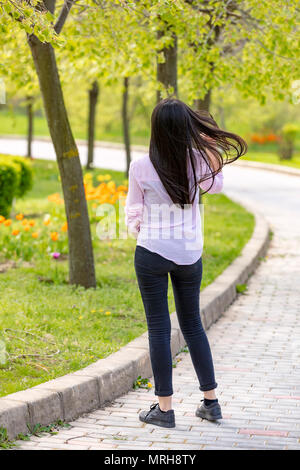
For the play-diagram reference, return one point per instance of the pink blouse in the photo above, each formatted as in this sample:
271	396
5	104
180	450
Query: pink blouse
158	224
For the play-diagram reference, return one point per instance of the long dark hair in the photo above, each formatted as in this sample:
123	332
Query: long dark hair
176	132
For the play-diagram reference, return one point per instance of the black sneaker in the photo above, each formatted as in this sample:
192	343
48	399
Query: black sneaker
211	412
165	419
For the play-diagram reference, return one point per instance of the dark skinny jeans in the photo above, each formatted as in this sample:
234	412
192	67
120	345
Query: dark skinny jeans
152	275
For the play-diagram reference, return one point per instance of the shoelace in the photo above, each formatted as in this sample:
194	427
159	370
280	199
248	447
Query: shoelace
152	407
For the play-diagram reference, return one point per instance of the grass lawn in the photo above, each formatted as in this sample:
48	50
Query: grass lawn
272	157
51	328
16	124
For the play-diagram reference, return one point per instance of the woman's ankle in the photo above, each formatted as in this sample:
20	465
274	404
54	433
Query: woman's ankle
165	403
210	395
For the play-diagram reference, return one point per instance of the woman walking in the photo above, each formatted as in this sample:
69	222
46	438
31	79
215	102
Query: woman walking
187	151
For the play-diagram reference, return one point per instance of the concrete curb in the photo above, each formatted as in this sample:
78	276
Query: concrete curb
70	396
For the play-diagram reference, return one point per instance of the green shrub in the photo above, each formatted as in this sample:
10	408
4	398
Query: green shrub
26	179
15	180
289	134
8	185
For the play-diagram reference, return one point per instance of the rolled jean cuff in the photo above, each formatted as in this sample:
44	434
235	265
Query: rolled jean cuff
206	388
163	394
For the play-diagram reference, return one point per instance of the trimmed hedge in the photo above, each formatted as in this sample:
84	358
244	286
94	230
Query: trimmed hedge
15	180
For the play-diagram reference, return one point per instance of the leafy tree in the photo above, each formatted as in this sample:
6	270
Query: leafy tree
37	21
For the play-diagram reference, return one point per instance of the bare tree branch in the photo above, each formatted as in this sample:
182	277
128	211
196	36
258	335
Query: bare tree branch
50	5
63	15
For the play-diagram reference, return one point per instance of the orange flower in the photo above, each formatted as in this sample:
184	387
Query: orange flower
55	198
25	222
65	227
47	221
26	228
54	236
15	232
31	223
19	216
34	234
2	219
122	187
7	222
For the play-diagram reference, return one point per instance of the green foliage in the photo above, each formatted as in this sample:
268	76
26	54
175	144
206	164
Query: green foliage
9	182
25	176
5	442
37	430
290	131
289	134
15	181
241	288
141	383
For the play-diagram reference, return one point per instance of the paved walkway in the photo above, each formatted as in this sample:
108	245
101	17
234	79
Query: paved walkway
256	348
104	157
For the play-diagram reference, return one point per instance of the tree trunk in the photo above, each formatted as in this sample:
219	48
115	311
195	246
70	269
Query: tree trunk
125	120
81	262
30	125
93	98
167	72
203	104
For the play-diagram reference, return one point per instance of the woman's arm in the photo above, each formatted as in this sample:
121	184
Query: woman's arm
134	202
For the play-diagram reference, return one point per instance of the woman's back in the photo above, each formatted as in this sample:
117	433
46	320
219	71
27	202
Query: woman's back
160	225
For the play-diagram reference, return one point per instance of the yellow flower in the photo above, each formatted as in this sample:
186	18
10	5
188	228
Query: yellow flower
80	318
100	309
15	232
35	235
19	216
111	186
25	222
93	311
149	385
108	312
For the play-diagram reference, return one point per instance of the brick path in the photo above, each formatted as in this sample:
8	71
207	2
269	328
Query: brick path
256	348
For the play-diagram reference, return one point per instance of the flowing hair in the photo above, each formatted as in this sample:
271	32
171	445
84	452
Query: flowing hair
179	134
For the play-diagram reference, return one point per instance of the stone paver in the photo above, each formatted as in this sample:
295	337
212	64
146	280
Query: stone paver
256	349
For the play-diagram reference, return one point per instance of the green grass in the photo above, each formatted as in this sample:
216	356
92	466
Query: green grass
273	158
66	328
16	125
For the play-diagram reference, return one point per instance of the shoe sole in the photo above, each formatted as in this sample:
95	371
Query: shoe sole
208	418
159	423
